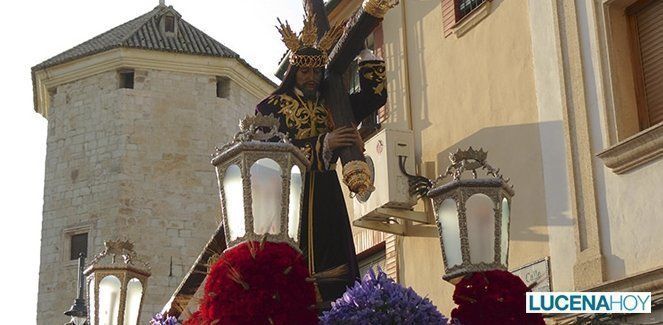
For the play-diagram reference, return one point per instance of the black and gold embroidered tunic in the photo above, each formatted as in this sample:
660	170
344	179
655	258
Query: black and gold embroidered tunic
326	237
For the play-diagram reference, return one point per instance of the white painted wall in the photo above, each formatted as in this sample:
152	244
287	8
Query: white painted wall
629	204
548	83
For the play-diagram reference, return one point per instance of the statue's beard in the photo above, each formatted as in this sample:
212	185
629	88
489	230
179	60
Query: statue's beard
309	94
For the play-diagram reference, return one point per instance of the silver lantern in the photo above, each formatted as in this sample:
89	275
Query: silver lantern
261	181
472	216
116	281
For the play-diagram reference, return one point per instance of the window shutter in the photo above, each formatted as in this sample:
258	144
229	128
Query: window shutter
650	34
448	16
383	114
391	252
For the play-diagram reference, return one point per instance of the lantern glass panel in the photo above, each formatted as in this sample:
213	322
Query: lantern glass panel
296	184
234	201
132	305
480	216
109	300
91	298
448	218
266	188
506	212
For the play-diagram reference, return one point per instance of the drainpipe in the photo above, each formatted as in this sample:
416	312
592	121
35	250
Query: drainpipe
406	67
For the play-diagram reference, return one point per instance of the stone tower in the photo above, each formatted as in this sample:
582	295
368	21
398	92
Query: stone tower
133	115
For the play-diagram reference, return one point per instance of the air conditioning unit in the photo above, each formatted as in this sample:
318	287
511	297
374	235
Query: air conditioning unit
391	185
390	207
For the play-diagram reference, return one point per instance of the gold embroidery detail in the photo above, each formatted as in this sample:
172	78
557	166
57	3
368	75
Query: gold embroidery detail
379	8
359	178
378	74
308	118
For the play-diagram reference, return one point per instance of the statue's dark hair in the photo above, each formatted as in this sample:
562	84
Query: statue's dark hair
289	79
288	82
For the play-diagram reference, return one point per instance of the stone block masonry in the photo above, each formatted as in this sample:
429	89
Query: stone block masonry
134	164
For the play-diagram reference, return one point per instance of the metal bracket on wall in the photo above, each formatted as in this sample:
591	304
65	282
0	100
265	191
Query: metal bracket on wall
404	222
399	222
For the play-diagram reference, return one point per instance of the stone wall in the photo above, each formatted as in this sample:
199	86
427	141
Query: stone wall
133	164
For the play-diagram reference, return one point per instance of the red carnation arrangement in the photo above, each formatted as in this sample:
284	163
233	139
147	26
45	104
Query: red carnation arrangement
493	297
196	319
258	283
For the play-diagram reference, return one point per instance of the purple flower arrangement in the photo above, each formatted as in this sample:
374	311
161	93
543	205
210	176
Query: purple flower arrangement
377	299
159	319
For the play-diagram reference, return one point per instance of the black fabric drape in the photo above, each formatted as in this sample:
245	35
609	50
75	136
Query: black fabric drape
324	223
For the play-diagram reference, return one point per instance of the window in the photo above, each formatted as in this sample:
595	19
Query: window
126	79
459	16
169	24
633	39
646	33
464	7
78	245
373	257
74	241
222	87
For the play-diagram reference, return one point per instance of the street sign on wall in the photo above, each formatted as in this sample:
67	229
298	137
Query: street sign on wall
538	273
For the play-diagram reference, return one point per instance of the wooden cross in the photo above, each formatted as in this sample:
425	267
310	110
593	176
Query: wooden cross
359	27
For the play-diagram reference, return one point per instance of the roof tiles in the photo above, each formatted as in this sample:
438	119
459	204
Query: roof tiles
144	32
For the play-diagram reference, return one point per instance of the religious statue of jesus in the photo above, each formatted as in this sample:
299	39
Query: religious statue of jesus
303	109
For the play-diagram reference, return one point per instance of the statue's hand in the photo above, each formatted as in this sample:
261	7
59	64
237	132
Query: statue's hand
344	137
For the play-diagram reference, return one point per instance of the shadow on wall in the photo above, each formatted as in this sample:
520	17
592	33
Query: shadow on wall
399	55
516	151
416	52
553	159
559	206
417	34
540	211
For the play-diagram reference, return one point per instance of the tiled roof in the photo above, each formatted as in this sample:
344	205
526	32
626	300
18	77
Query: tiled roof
144	32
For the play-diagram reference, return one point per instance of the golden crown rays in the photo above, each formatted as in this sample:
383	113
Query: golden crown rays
309	31
288	36
308	38
331	36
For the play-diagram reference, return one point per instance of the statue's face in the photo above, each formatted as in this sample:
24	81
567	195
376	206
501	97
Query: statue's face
308	80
